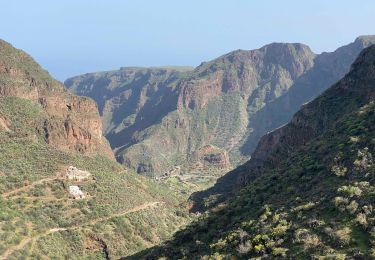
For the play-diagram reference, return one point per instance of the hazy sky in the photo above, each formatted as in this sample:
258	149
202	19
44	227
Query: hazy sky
70	37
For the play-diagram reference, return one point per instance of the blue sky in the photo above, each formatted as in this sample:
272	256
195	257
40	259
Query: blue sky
72	37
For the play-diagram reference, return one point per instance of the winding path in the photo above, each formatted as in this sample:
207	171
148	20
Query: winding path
24	242
27	187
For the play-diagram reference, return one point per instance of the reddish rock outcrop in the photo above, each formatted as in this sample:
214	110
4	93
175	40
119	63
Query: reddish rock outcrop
73	122
212	156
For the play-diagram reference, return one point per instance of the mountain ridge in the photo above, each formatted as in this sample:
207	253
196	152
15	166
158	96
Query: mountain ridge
262	88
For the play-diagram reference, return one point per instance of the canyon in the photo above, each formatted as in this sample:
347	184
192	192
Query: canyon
158	118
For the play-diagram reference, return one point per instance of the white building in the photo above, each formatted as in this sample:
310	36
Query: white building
76	192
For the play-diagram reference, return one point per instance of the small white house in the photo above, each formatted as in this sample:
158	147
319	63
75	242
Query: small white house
76	192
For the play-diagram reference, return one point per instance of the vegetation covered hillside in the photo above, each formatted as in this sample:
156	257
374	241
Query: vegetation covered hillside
157	119
115	211
309	190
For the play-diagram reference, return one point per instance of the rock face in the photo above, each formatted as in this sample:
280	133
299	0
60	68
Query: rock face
73	123
316	117
133	103
157	118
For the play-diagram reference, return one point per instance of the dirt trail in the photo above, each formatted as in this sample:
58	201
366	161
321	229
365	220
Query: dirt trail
135	209
27	187
24	242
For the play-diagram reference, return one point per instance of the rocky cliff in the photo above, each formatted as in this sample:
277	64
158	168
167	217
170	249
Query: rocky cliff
328	68
317	116
156	119
73	123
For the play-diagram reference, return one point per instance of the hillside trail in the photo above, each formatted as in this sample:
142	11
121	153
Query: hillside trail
29	186
24	242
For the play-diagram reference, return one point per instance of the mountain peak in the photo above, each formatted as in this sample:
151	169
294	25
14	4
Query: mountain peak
364	41
369	39
283	46
275	48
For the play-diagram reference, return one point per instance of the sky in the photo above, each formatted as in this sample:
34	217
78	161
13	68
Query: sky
71	37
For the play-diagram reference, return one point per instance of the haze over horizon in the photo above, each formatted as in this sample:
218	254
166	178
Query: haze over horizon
112	34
